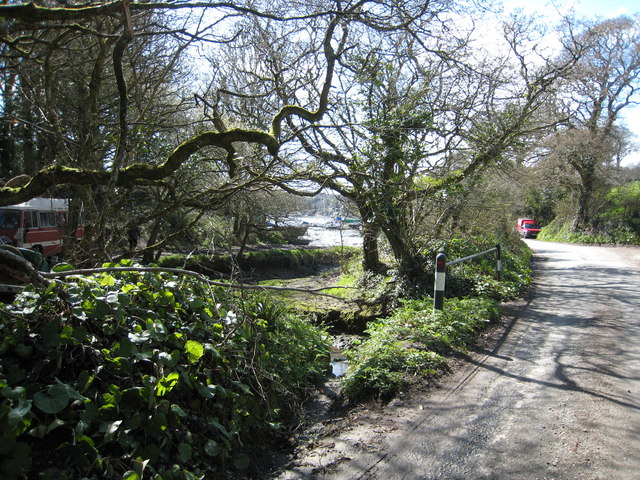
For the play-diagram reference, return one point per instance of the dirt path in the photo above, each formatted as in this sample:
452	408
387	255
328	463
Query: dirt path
556	397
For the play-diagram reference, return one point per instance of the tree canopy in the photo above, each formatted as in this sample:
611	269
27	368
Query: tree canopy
182	105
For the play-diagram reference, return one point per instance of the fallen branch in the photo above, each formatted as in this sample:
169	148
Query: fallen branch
18	268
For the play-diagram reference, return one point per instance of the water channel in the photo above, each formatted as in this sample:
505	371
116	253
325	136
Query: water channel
325	231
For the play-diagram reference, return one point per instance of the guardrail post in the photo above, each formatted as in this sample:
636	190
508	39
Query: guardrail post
438	286
498	262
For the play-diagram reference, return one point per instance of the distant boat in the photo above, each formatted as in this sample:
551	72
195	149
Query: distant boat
342	222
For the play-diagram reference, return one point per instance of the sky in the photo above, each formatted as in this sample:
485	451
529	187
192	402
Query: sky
590	9
587	8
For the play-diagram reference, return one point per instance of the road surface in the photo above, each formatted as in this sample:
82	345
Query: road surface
557	398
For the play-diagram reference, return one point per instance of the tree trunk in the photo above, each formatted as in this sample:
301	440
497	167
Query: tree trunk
582	217
370	232
147	256
411	265
585	192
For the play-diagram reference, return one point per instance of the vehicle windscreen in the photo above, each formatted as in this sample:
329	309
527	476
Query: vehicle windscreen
9	218
530	225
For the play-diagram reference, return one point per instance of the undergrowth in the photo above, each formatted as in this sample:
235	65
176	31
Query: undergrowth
125	375
412	342
151	375
603	233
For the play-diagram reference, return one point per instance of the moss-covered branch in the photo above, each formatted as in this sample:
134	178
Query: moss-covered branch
137	173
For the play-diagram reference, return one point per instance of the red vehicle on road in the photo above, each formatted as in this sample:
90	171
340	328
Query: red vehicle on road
38	224
527	227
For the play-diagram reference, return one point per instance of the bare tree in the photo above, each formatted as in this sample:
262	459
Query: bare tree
604	83
421	115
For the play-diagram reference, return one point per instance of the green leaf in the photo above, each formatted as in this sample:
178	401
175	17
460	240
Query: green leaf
165	358
184	452
196	304
242	462
51	333
72	392
212	449
194	350
130	475
141	337
107	281
112	297
19	462
207	391
178	411
139	466
166	384
84	380
111	429
63	267
13	394
54	400
220	428
18	413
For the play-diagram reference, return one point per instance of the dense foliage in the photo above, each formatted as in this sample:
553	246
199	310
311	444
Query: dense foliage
477	277
618	222
414	340
113	374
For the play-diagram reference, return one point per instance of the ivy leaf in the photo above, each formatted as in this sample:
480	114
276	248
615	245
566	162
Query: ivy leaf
111	429
184	452
242	462
20	462
220	428
194	350
72	392
207	391
141	337
166	384
62	267
130	475
178	411
196	304
212	449
165	358
112	297
51	333
18	413
139	466
13	394
54	400
107	281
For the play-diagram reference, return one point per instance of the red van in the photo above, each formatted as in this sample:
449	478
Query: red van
38	224
527	227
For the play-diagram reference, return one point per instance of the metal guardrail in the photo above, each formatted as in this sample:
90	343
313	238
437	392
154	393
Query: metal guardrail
441	272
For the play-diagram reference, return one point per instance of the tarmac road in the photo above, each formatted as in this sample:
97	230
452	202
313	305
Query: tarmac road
557	398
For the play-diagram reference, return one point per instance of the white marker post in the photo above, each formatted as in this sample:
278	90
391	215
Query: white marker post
438	287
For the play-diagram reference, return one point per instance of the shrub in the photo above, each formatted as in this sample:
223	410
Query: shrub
123	372
411	342
609	232
477	277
